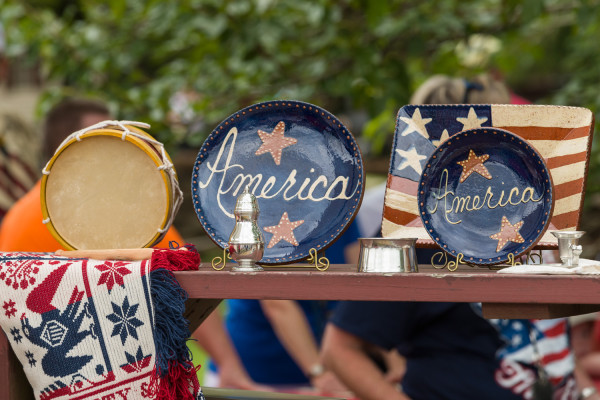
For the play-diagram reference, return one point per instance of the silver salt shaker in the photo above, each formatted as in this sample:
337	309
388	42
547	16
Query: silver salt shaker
246	243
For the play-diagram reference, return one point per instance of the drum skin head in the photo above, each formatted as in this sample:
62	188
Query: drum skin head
104	192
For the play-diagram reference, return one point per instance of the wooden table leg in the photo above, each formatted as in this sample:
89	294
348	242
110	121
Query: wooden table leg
13	382
4	367
196	310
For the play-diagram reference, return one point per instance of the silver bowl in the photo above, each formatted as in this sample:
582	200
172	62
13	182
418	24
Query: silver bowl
387	255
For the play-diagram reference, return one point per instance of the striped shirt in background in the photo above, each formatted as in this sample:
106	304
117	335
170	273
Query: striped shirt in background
19	157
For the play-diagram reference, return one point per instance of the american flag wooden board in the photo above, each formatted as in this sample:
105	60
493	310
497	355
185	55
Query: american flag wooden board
562	136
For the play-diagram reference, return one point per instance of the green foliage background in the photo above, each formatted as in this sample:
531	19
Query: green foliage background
352	57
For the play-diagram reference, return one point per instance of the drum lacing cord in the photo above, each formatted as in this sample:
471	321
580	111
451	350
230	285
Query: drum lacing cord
98	125
166	165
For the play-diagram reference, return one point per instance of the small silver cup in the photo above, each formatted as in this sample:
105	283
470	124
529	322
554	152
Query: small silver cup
568	248
387	255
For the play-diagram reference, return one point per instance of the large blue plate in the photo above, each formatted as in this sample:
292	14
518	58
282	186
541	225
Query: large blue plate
301	163
485	193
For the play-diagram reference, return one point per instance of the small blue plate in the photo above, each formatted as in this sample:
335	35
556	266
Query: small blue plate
301	163
485	193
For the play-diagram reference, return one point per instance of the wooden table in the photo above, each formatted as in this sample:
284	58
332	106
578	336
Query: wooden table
502	296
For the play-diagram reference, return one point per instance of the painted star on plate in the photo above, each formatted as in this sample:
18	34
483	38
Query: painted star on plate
445	136
472	121
473	163
274	142
411	159
508	233
416	124
283	231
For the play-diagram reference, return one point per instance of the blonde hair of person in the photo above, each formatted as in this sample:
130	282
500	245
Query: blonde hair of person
442	89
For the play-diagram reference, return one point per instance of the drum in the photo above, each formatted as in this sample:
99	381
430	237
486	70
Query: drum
110	186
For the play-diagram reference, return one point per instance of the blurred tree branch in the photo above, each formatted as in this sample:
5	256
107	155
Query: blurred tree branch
349	56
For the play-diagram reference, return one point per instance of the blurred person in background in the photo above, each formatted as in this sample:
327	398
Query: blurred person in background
274	344
451	351
585	339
